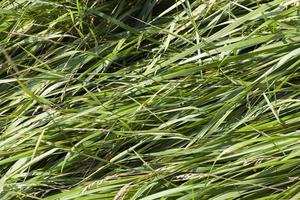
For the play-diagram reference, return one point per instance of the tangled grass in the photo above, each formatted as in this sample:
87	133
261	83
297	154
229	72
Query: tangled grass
145	99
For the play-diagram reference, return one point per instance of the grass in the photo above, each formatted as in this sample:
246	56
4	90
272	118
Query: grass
143	99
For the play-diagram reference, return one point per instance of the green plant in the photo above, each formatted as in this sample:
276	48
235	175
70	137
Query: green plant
149	100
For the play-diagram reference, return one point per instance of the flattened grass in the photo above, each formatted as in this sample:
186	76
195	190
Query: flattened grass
149	100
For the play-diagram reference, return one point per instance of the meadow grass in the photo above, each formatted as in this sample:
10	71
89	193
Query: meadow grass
145	99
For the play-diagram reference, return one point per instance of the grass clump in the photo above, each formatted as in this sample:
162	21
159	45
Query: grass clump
148	100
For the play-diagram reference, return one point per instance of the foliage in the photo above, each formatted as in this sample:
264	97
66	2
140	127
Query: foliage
144	99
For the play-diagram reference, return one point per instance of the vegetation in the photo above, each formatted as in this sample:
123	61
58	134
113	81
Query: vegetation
145	99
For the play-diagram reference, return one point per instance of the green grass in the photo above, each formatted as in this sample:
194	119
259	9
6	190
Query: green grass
144	99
